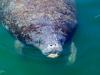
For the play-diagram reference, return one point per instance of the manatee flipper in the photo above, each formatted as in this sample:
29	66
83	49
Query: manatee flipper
73	53
19	47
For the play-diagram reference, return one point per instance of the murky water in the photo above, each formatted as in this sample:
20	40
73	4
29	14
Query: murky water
87	40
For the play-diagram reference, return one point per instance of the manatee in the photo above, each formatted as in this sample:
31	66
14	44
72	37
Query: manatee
45	24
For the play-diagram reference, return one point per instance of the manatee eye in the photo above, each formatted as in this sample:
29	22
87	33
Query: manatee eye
61	40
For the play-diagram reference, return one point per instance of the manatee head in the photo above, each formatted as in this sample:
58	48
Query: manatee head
49	42
52	46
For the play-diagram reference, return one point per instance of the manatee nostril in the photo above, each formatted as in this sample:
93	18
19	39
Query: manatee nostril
53	45
50	45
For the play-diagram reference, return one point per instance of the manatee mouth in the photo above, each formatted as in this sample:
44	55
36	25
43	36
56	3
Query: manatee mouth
53	55
53	50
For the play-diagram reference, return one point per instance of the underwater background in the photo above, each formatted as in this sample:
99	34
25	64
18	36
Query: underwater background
86	38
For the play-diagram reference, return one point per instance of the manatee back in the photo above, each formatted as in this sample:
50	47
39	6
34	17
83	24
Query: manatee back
59	14
3	5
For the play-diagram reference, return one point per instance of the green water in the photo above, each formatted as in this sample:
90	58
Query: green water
87	40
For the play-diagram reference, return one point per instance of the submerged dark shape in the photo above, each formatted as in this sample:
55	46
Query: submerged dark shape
45	24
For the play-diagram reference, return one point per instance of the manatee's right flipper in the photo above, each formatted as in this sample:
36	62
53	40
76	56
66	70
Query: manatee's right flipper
19	47
73	53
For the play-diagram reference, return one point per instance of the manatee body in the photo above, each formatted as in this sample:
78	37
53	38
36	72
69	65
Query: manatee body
45	24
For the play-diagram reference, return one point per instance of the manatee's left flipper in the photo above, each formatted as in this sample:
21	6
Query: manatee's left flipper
73	53
19	47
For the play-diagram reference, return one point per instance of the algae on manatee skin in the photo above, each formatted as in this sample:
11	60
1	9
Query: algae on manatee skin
3	4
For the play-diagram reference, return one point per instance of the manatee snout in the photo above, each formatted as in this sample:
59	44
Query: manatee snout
53	50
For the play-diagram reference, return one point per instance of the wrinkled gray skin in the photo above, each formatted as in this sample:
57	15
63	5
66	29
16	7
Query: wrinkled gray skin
46	24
